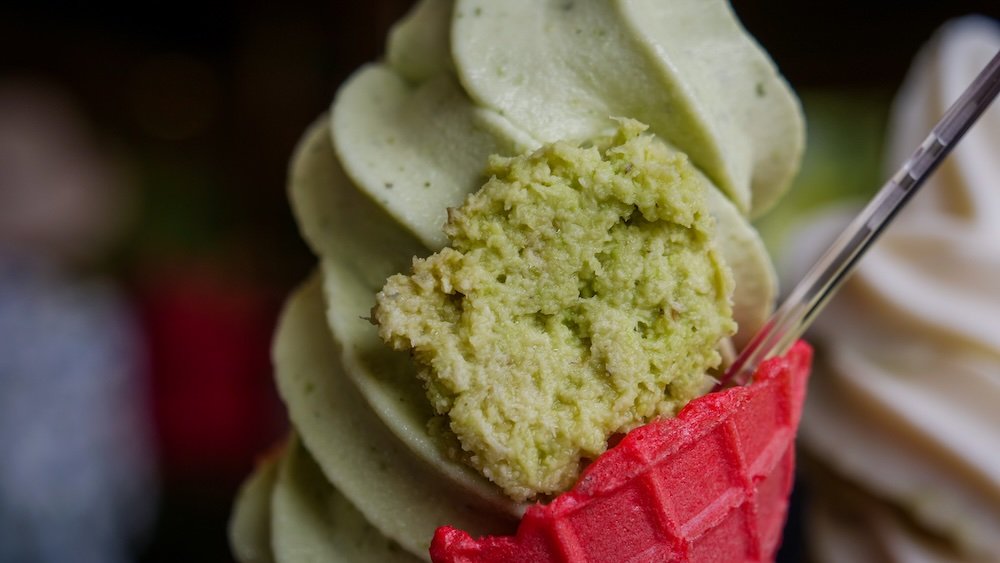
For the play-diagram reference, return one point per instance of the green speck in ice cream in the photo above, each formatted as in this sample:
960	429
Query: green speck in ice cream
581	296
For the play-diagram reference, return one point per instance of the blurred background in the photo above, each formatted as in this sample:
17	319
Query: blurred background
146	244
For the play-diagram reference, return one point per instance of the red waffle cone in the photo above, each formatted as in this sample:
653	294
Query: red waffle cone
710	484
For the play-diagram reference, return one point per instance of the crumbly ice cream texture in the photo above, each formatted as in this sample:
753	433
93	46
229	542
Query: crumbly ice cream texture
581	295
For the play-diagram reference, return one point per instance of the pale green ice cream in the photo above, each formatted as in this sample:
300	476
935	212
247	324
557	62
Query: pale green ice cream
581	295
408	139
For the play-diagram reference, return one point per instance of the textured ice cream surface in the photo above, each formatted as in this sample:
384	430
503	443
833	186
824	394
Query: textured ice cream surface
408	138
582	295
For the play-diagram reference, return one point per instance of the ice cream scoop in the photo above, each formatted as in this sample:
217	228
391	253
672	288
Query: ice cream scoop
409	138
582	294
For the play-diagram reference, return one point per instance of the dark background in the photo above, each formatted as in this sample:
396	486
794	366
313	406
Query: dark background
205	102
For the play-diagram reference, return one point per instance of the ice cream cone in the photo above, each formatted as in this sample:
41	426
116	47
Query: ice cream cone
711	484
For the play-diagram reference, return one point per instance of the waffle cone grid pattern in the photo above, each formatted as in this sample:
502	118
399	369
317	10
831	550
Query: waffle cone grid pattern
710	484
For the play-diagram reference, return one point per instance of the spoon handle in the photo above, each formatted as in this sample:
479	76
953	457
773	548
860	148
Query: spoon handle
825	277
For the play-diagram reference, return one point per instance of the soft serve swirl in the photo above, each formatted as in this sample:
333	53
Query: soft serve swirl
408	138
904	401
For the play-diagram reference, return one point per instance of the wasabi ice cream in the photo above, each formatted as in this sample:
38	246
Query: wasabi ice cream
608	294
582	294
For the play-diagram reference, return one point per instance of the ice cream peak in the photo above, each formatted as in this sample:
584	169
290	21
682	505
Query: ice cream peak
582	295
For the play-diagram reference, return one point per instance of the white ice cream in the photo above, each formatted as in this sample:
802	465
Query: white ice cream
906	397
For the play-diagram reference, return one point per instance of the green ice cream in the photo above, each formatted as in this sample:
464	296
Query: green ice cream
610	285
581	295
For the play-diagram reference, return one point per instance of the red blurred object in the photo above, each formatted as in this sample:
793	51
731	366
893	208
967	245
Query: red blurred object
214	403
711	484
